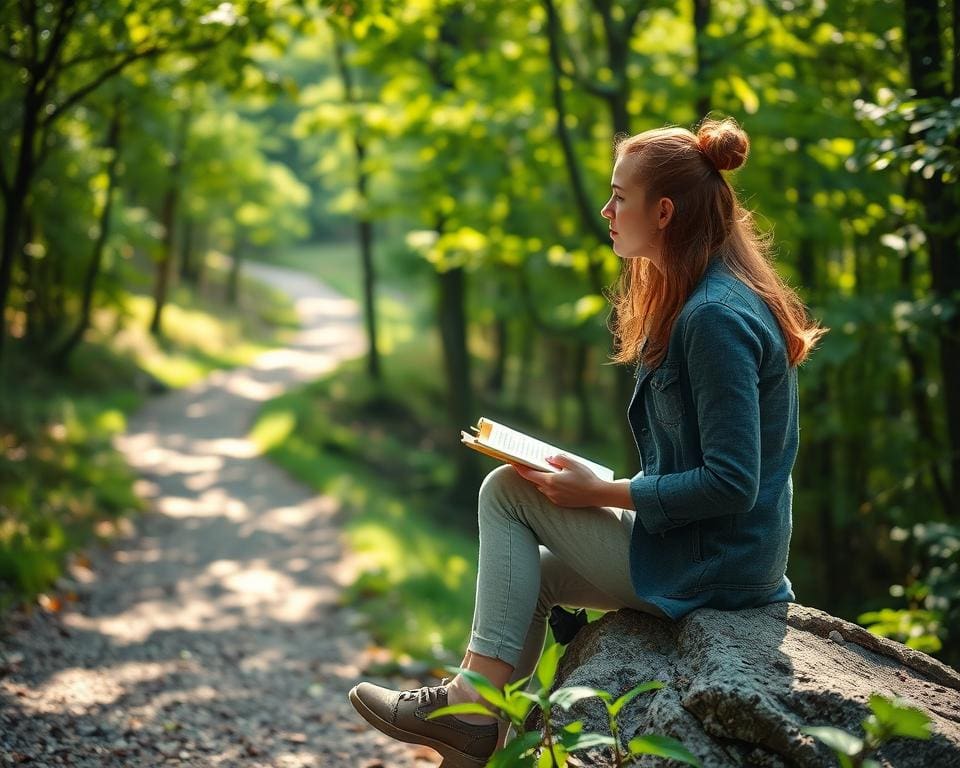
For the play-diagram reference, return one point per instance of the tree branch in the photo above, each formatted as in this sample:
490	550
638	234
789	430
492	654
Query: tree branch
83	91
68	11
576	71
566	143
28	17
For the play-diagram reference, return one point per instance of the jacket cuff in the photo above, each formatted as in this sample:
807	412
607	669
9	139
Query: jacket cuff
646	501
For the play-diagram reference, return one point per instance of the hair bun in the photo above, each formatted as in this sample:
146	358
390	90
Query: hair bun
724	143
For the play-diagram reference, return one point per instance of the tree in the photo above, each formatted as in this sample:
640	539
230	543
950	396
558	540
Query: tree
63	51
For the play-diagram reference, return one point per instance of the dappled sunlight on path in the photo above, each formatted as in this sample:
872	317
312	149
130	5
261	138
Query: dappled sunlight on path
212	635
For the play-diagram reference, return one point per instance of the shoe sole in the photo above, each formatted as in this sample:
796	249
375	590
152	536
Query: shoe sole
452	757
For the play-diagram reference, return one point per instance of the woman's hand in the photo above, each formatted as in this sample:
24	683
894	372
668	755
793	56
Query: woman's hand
573	486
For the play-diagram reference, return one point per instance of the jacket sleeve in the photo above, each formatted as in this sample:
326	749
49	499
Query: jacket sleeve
723	355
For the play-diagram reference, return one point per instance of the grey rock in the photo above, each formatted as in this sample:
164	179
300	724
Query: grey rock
739	685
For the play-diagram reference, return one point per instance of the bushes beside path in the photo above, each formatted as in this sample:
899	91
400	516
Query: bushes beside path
63	487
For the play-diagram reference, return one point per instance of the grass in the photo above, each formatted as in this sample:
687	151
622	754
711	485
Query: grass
62	484
337	264
201	331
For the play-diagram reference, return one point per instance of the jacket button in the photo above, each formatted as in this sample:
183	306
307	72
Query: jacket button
645	431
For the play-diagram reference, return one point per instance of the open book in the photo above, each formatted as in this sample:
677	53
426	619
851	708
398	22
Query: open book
514	447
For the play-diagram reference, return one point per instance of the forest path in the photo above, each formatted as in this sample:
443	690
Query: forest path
211	635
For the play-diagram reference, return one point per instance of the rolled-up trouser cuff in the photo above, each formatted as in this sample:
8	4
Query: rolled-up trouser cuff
494	649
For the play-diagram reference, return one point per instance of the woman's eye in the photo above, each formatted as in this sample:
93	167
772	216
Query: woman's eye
617	197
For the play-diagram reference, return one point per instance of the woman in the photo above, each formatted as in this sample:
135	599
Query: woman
717	338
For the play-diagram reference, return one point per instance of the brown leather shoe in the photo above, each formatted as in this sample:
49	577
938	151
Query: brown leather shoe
402	716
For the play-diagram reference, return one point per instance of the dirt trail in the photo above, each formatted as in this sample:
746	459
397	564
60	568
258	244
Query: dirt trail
211	635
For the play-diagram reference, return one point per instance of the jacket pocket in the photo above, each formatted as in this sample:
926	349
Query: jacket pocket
665	391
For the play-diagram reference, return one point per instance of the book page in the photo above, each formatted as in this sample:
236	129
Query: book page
518	444
530	449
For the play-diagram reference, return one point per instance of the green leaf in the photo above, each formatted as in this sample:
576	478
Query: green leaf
746	94
556	756
482	686
900	719
663	746
875	729
517	707
516	685
835	738
632	694
547	669
574	741
567	697
513	754
606	696
537	698
868	763
470	708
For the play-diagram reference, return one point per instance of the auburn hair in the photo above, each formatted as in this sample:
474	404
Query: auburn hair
707	221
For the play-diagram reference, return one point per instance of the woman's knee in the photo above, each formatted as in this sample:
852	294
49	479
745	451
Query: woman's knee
499	484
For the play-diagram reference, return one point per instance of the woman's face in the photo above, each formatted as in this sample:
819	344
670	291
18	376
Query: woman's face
636	228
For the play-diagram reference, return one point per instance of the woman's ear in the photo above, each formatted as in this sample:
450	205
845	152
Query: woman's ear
665	212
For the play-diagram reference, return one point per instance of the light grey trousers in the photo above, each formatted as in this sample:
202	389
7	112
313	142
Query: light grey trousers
534	555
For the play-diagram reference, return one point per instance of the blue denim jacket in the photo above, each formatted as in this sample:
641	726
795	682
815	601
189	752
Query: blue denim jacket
716	425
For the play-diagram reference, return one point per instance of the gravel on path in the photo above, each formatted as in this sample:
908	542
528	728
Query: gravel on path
210	634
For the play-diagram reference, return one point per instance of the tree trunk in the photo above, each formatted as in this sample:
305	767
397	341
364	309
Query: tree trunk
522	392
31	297
188	270
559	372
168	217
821	456
364	225
233	277
201	249
60	357
820	451
15	202
501	350
365	233
452	292
927	76
162	267
581	372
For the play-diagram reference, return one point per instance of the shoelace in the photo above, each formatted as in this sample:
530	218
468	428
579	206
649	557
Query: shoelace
426	694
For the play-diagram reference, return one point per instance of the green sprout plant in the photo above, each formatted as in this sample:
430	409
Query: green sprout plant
890	719
552	746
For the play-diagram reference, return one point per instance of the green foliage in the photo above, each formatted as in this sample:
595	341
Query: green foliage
889	719
63	486
932	593
930	126
552	746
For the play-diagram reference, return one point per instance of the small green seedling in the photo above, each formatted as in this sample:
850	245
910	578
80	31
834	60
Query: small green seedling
552	747
891	718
